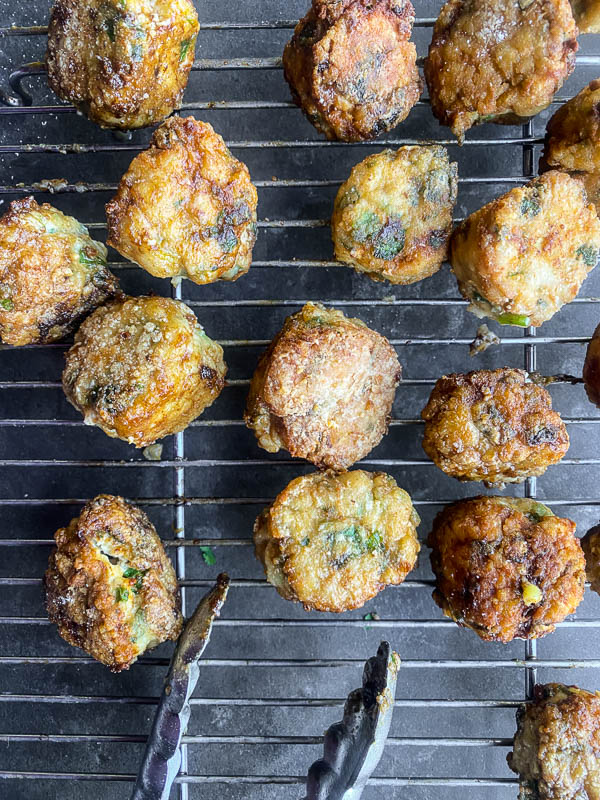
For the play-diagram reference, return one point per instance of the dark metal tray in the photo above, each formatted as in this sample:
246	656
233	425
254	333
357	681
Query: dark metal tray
275	677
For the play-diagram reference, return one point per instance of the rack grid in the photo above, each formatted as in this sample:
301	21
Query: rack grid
274	676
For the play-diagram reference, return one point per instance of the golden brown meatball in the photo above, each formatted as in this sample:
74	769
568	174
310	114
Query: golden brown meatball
520	258
591	550
491	60
185	207
591	369
324	388
587	15
123	63
555	751
351	67
110	587
393	216
573	132
493	426
142	368
51	274
331	542
506	567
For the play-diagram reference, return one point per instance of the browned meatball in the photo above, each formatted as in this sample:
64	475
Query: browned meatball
51	274
555	752
142	368
506	567
591	369
123	63
110	587
573	132
351	67
185	207
323	389
491	60
591	549
331	542
521	257
493	426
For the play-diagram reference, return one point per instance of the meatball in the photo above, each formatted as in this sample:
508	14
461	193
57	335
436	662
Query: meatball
555	751
351	67
143	368
491	60
506	567
332	542
185	207
393	216
123	63
573	132
493	426
591	550
51	274
591	183
591	369
324	388
110	587
587	15
520	258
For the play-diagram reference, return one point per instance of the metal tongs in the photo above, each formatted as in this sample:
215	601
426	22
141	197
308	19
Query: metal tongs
162	757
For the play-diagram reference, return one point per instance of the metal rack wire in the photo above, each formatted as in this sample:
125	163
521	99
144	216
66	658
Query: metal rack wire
275	676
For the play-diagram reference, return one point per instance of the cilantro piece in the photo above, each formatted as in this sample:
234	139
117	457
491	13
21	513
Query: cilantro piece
389	241
122	594
349	198
366	226
588	253
530	206
373	541
7	304
97	260
208	556
305	542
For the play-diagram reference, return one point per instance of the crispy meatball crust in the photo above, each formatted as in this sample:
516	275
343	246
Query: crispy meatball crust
51	274
142	368
573	132
506	567
110	587
520	258
393	216
587	15
123	63
332	542
591	550
324	388
493	60
591	369
493	426
351	67
185	207
555	751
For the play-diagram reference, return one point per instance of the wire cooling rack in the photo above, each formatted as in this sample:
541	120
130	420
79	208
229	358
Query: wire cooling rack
275	677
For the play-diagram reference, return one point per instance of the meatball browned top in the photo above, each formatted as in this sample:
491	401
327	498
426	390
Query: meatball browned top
324	388
110	587
143	368
493	60
51	273
393	216
185	207
521	257
351	67
506	567
573	132
493	426
124	63
332	541
591	549
556	746
591	369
